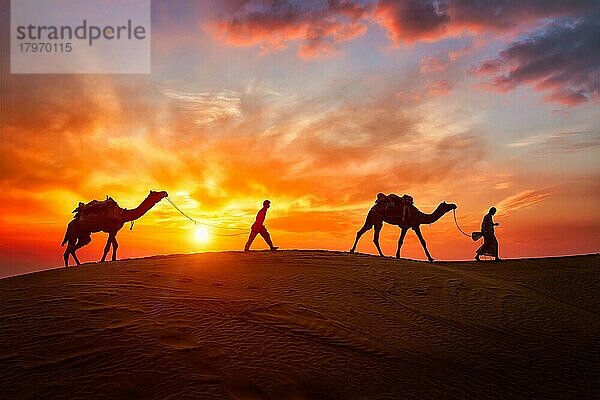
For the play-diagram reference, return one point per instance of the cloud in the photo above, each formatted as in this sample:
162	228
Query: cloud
205	107
502	185
431	65
323	24
524	199
562	141
223	149
438	88
51	129
562	59
572	141
323	42
480	15
319	26
315	152
413	20
430	20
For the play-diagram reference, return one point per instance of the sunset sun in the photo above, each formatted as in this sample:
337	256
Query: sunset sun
201	234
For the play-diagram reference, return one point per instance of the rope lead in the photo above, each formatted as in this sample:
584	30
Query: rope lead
456	222
196	223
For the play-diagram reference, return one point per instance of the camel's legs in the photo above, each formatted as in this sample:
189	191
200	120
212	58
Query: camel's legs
422	240
75	258
80	243
107	247
72	247
400	241
115	246
366	227
70	250
376	238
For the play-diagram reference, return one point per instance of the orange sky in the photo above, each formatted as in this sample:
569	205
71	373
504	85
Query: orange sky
229	118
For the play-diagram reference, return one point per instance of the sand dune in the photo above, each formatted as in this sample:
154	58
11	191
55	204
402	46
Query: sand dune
302	325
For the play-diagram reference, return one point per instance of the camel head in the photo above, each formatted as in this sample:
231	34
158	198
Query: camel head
157	196
445	207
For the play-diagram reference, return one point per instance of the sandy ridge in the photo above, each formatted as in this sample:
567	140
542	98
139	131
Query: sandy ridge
302	325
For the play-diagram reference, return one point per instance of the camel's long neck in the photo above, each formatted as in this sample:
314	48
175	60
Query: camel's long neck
434	216
130	215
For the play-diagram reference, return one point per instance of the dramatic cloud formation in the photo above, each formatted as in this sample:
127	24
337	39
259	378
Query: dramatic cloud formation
480	15
429	20
321	24
563	58
413	20
270	25
304	144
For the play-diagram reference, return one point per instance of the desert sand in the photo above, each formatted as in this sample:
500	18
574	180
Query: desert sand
303	325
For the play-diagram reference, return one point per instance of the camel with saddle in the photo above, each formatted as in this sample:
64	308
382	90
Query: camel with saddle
400	211
103	216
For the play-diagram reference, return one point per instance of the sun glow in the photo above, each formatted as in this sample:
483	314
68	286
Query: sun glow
201	234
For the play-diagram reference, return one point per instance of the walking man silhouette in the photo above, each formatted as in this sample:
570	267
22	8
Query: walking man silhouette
490	243
258	227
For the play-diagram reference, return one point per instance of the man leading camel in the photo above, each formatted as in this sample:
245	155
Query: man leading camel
490	243
258	227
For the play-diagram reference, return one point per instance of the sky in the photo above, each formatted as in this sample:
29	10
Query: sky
317	106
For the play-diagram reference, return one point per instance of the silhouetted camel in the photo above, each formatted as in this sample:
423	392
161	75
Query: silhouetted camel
413	219
109	220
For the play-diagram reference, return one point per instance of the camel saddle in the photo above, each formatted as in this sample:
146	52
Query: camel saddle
394	205
96	205
96	209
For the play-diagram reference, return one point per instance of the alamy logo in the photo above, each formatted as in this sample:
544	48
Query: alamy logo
74	36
